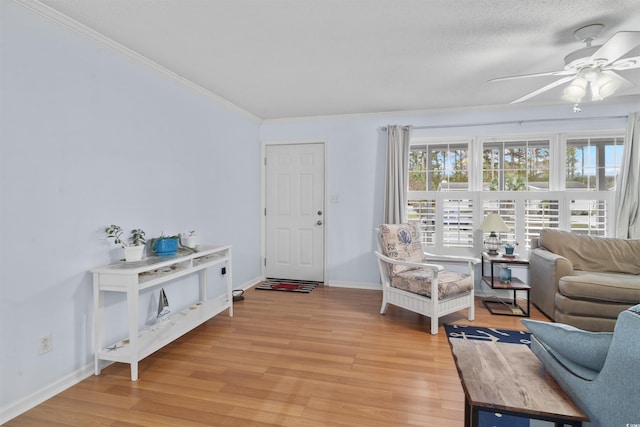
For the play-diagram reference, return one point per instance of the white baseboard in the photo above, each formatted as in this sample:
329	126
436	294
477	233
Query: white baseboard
251	283
14	409
356	285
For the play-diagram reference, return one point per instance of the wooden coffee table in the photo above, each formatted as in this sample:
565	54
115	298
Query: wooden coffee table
509	379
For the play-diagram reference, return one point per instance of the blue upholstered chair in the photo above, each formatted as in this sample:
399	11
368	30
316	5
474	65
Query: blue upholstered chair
599	370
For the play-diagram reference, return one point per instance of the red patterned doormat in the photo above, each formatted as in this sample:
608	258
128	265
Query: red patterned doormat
288	285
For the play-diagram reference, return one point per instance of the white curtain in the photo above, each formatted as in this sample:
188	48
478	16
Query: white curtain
628	184
397	174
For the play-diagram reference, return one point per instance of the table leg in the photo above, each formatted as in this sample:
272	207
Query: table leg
475	416
467	412
132	302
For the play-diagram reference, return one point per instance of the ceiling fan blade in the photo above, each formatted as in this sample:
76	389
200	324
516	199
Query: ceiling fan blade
524	76
619	44
544	89
617	76
624	64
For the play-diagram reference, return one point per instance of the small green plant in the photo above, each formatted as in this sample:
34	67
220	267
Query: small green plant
136	236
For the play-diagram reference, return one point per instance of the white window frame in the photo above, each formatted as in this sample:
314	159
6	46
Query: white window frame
477	196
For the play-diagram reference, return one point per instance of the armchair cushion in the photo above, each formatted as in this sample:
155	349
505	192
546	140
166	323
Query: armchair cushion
401	242
573	345
419	282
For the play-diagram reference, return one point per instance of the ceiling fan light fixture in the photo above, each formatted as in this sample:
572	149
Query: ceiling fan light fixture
607	85
576	90
591	74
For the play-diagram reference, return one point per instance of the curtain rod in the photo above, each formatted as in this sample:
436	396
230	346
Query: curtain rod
514	122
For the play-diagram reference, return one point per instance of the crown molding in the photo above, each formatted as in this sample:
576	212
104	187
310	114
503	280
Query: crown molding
37	8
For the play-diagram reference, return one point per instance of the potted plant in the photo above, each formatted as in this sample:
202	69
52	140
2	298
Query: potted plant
190	239
165	245
169	245
133	246
510	247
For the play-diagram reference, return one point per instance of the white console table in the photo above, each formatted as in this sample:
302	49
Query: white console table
134	277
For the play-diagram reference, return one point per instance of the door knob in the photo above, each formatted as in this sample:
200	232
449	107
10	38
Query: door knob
319	222
319	212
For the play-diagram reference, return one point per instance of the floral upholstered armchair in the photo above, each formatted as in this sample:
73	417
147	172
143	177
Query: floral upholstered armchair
414	282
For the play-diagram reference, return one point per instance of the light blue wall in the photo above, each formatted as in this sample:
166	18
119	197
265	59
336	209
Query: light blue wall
89	138
356	153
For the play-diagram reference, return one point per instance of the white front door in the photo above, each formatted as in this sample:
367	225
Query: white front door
294	201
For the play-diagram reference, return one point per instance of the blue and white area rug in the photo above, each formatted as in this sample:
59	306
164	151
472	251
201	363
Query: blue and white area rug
488	334
490	419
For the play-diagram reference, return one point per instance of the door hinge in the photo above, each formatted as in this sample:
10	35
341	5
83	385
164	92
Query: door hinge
265	262
265	211
265	161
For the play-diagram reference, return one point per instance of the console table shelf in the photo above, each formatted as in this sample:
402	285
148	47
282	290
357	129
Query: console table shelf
132	278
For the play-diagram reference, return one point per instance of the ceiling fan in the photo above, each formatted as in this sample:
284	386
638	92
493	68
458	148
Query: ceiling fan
591	68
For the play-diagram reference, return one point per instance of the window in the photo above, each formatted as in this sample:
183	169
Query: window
522	179
593	163
589	217
424	211
457	223
437	167
515	165
592	166
539	214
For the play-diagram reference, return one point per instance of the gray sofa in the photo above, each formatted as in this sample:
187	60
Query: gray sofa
584	281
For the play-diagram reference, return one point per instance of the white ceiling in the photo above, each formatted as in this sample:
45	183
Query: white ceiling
293	58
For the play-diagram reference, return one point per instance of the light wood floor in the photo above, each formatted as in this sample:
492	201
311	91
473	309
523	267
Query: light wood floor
285	359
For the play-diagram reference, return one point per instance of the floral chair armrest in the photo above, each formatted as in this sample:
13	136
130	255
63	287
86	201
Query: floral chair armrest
435	267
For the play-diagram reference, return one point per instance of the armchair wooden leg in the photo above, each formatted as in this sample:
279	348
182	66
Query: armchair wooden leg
383	309
434	326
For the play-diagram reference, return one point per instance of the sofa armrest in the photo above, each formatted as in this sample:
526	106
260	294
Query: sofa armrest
546	269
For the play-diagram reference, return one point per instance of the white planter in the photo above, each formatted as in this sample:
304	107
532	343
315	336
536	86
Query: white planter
133	253
190	241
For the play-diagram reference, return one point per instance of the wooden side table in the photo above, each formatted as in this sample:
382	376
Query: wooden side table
509	378
505	307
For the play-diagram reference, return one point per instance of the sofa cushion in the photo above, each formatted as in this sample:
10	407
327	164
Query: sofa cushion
402	242
588	308
609	287
584	348
588	323
594	253
419	282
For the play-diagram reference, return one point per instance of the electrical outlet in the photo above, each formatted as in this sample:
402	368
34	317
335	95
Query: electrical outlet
45	345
